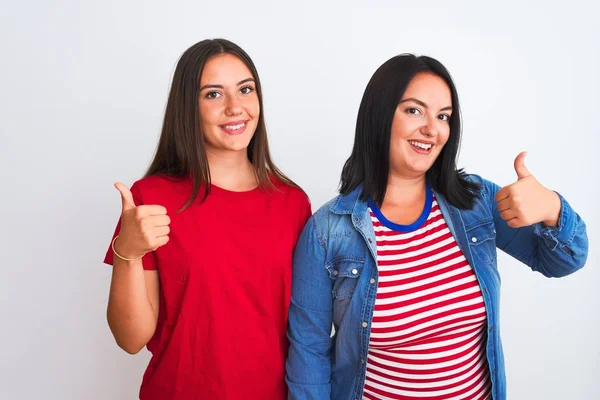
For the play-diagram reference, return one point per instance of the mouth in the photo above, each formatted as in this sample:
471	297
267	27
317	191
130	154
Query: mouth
421	147
234	128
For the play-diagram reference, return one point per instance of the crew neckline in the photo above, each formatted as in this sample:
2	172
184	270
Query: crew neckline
405	228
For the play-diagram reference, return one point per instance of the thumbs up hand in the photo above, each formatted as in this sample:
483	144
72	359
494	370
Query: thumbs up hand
144	228
527	201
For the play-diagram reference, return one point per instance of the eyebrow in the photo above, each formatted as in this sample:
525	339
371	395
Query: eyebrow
221	86
419	102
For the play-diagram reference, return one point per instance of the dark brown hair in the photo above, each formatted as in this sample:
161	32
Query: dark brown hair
181	151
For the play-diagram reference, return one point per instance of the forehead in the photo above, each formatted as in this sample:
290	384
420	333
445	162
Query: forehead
429	88
224	69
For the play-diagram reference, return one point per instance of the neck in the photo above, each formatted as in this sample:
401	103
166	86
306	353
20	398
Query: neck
403	191
231	170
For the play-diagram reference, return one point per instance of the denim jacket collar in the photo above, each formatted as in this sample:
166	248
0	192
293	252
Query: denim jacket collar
349	203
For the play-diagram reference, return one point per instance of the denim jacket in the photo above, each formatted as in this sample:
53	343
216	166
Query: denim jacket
335	282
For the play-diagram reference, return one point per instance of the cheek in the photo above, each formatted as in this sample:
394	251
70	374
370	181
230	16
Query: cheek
396	143
444	136
398	152
252	107
403	128
208	113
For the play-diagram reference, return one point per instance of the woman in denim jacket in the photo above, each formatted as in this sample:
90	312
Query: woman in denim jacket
403	262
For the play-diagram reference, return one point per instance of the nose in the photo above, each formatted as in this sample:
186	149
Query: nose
429	127
233	107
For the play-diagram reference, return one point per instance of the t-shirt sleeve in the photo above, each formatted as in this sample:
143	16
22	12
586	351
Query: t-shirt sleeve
149	260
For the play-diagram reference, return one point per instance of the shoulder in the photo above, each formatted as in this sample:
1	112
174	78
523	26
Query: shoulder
325	210
161	189
486	187
291	193
485	204
156	182
324	215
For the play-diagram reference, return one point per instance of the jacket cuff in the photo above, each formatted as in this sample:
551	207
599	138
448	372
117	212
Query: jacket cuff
564	232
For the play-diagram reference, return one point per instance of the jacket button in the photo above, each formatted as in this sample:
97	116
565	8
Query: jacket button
335	272
354	271
362	360
474	239
372	280
364	324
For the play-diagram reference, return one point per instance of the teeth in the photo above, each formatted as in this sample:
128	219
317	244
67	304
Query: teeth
420	145
235	127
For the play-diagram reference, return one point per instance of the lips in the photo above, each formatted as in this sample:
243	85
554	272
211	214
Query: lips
235	127
421	147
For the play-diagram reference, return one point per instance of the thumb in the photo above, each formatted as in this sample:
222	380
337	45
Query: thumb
520	168
126	196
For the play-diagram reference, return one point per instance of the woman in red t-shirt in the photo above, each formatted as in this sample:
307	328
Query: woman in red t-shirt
202	252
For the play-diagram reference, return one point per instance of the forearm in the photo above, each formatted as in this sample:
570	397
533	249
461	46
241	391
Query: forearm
554	251
564	246
308	367
131	317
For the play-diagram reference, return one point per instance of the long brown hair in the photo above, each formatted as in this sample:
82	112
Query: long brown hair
181	152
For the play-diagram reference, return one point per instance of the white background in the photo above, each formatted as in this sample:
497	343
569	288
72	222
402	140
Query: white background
83	87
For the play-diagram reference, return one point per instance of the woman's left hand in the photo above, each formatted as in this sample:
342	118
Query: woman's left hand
527	201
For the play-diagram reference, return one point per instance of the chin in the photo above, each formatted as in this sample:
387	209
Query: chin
239	146
419	169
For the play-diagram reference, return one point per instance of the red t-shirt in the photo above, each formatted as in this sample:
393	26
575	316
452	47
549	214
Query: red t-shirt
225	285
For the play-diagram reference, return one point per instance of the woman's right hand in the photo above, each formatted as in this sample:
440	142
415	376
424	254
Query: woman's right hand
144	228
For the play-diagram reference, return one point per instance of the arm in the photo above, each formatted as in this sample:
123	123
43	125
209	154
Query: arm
133	302
554	251
308	367
132	311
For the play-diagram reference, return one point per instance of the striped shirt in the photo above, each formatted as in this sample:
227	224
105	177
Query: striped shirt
428	334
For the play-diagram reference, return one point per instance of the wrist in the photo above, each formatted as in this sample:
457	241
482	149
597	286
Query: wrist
554	206
125	254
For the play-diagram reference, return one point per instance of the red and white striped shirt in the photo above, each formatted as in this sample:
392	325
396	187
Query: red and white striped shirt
428	334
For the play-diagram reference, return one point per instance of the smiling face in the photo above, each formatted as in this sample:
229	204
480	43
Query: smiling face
421	126
229	105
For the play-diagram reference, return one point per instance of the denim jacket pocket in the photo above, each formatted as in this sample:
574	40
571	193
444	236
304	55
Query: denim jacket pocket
344	272
482	241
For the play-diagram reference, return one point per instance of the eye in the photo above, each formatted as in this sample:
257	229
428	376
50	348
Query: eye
444	117
247	90
413	111
212	95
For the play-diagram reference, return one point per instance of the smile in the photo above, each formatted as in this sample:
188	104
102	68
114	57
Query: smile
420	147
235	128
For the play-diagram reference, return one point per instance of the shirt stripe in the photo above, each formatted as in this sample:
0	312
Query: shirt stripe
428	334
